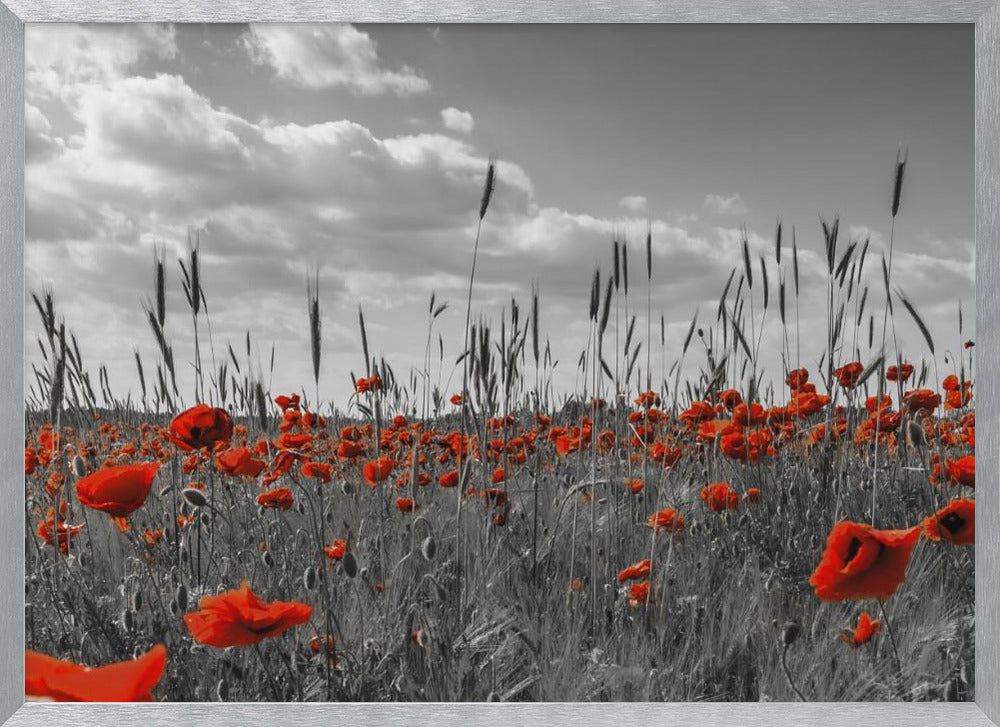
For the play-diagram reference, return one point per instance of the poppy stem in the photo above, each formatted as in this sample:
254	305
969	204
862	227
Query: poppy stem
788	674
892	639
270	677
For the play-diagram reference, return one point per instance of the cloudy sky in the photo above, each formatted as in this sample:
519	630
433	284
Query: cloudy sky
362	150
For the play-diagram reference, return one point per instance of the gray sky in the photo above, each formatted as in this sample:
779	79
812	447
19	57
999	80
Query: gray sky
362	150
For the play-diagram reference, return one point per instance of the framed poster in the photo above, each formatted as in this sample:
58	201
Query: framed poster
374	365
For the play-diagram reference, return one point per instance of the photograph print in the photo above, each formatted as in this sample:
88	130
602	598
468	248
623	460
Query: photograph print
469	363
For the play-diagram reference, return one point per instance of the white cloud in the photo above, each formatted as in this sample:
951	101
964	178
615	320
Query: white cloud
327	56
634	203
59	57
723	205
456	120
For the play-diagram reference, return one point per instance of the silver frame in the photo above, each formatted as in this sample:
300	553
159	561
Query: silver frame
985	14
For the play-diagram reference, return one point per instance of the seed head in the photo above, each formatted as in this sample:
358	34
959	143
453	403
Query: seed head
194	497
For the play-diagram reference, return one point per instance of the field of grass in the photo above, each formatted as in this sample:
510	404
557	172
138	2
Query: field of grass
488	543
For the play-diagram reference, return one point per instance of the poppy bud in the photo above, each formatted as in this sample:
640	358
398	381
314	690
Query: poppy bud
440	591
953	690
174	608
346	487
428	548
194	496
915	433
181	597
79	468
790	633
83	558
309	578
351	565
128	620
493	697
267	558
137	601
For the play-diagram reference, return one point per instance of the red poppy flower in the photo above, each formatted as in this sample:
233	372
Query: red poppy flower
337	550
667	456
638	593
47	678
849	374
280	497
449	479
734	446
807	403
899	373
645	399
64	532
118	491
697	412
634	485
241	618
317	470
350	450
922	400
730	398
566	444
749	416
405	504
293	440
962	471
797	378
719	496
287	402
364	385
955	523
710	429
377	470
635	571
862	562
666	519
200	427
863	632
239	462
957	398
456	399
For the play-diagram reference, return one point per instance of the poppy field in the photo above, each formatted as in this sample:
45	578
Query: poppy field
652	535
